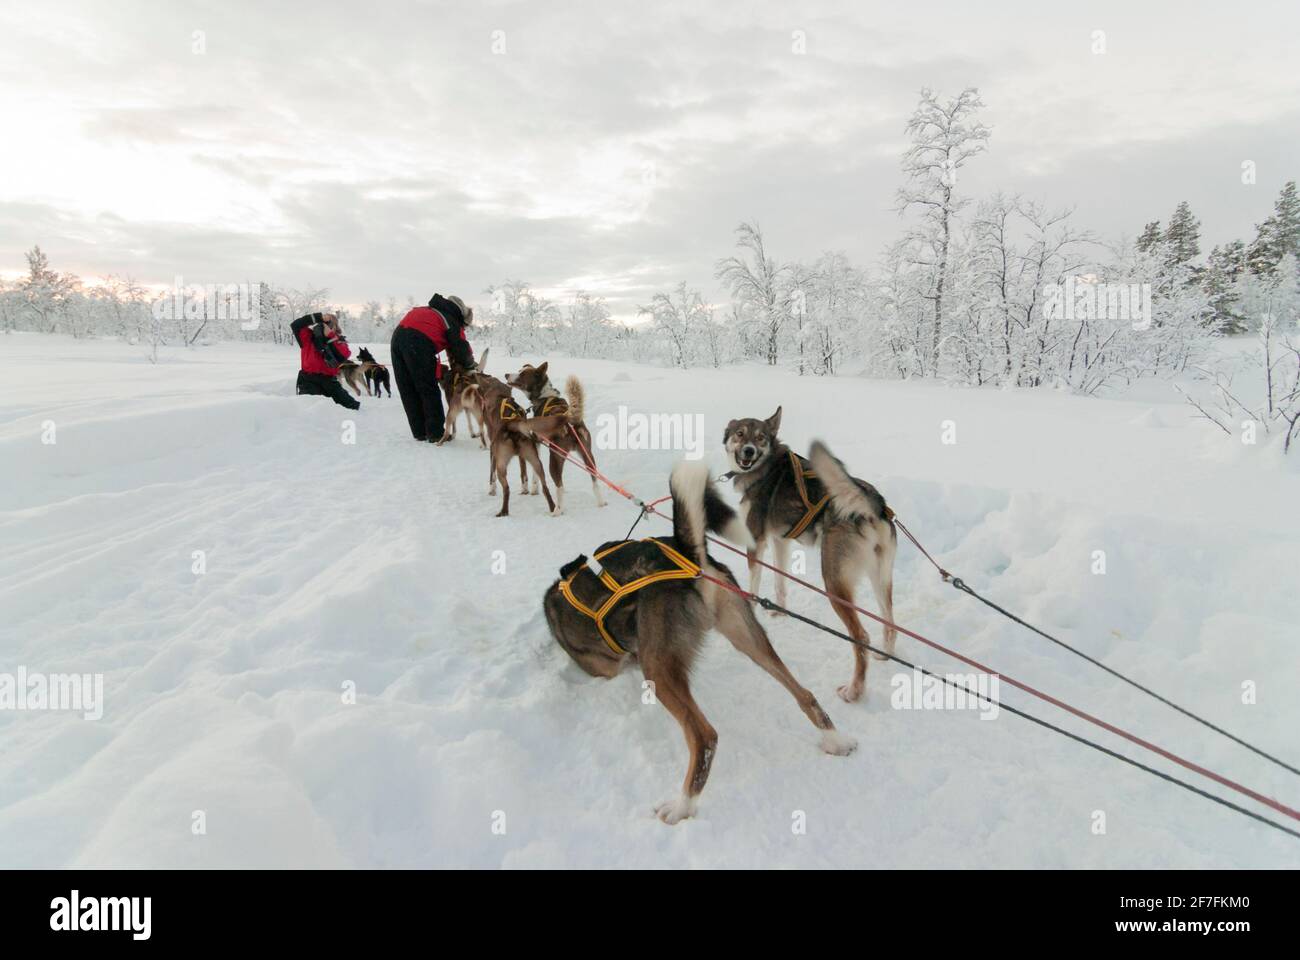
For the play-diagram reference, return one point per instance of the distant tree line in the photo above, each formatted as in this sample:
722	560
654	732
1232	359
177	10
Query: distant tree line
971	292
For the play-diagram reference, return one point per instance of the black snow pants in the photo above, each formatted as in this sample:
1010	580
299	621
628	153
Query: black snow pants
321	385
415	366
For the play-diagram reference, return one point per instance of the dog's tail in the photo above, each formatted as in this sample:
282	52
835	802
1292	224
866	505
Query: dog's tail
577	398
697	509
482	364
849	497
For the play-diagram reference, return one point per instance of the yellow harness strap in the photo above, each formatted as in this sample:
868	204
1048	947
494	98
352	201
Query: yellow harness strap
802	473
511	410
685	570
552	406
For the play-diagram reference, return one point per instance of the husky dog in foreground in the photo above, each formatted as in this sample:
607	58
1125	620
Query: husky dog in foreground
662	622
786	498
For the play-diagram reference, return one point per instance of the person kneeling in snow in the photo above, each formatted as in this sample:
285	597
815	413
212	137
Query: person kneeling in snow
324	349
424	333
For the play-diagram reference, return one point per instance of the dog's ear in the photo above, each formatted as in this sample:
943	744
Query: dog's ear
774	422
729	429
542	369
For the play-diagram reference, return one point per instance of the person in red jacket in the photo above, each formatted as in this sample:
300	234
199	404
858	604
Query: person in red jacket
324	348
424	333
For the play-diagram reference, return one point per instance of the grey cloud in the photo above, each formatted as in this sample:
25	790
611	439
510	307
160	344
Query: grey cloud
398	153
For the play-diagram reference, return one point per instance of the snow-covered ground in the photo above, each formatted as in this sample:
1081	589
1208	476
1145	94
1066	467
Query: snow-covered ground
379	564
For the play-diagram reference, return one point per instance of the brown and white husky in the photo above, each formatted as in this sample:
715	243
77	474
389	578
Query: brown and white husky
558	419
505	421
462	393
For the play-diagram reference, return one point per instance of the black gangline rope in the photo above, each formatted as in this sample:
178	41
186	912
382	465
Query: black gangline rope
964	587
769	605
961	585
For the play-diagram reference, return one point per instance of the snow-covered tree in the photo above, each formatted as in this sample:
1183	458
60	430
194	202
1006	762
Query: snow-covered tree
830	307
590	331
520	319
8	306
1223	269
679	317
1271	397
46	294
945	136
1054	253
899	342
1279	234
1182	238
1150	237
761	288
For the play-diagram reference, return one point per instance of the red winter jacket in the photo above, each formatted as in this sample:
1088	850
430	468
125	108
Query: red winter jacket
312	360
445	336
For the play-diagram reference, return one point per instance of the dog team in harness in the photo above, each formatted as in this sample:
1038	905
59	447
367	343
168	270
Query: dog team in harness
650	600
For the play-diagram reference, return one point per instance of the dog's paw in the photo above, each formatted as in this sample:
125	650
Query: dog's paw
837	744
679	808
850	692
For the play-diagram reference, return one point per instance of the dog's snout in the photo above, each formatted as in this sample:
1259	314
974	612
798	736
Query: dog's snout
748	451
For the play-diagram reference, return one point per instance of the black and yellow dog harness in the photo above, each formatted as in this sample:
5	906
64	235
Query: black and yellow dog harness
459	381
550	407
604	593
802	474
511	410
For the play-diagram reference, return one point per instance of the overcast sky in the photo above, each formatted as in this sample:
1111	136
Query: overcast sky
400	148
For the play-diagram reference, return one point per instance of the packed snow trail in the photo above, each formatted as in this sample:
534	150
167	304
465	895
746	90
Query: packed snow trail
371	564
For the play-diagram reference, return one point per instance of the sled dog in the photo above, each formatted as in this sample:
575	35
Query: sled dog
659	615
558	419
462	393
786	498
505	419
376	373
350	373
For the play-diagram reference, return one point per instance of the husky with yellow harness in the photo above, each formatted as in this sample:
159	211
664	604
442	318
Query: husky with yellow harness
461	393
560	421
504	420
645	602
786	498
